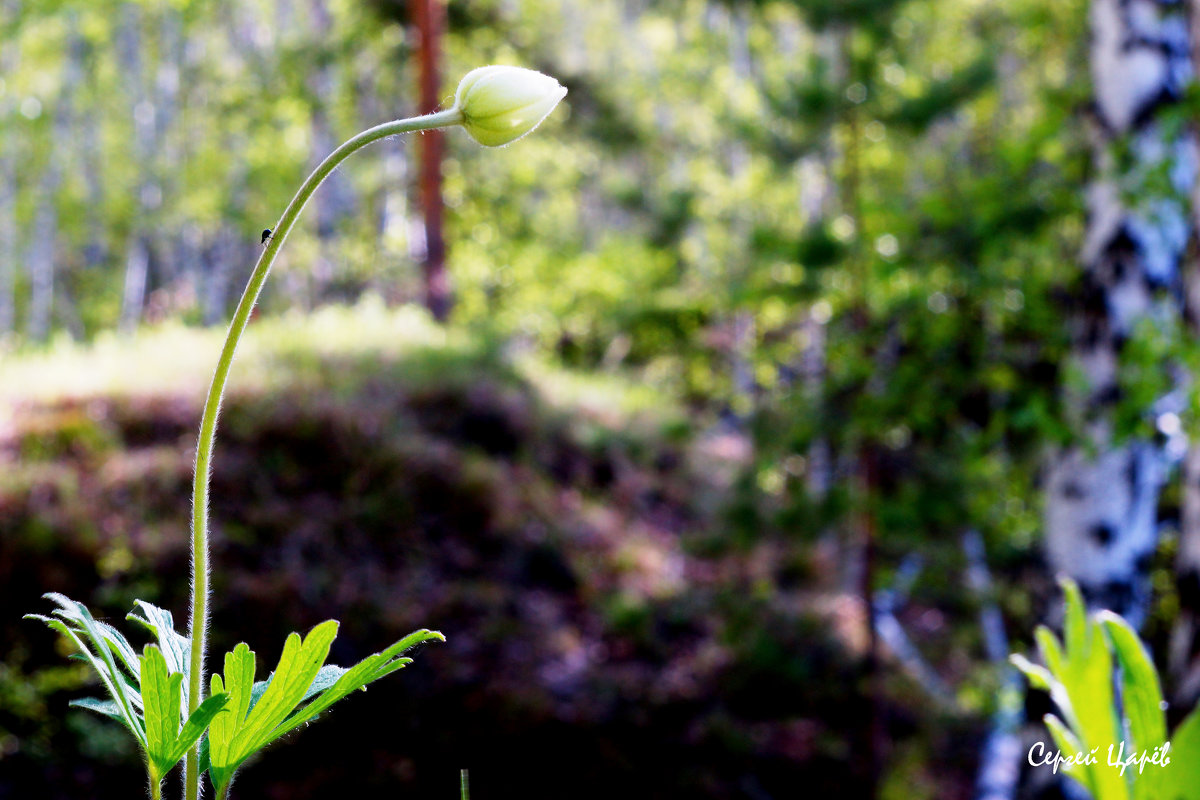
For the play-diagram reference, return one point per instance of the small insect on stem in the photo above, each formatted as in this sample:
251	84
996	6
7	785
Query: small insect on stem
266	234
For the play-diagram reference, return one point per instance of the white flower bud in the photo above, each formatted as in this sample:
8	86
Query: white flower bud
501	104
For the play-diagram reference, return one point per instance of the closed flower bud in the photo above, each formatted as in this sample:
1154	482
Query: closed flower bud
501	104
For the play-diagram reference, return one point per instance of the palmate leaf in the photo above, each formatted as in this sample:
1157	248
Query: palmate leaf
326	676
174	645
1082	687
147	692
1080	675
1141	699
366	671
100	656
106	708
166	741
299	689
1071	747
1181	781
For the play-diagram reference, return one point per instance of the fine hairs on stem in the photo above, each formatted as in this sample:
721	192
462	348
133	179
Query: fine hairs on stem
212	405
496	105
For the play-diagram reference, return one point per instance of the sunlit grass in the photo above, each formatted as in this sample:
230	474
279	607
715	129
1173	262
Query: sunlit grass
173	359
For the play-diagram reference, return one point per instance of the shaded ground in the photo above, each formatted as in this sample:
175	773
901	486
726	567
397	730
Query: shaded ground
591	648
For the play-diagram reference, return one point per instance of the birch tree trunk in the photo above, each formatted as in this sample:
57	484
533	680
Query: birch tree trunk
1102	496
45	225
137	257
9	241
166	243
8	234
1184	655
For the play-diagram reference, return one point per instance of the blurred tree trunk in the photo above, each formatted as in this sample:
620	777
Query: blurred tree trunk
40	258
167	242
745	326
95	250
1102	495
228	248
45	225
389	200
137	257
9	243
230	255
1184	656
8	231
429	16
336	199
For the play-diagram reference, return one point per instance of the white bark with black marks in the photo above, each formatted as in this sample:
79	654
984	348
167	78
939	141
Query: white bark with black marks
1102	498
1184	652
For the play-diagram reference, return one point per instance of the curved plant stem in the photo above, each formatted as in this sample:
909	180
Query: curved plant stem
212	406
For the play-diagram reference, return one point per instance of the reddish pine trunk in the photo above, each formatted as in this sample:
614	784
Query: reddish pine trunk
429	18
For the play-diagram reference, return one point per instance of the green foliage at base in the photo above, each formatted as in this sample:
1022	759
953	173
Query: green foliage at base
148	693
1112	717
154	708
260	713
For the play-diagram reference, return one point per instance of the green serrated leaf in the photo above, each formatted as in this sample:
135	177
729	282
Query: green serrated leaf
1081	681
258	714
326	677
121	647
106	708
1049	648
162	690
414	639
1082	686
1051	677
1089	681
1039	677
1141	698
1076	632
1180	780
1071	747
101	660
196	724
238	682
388	669
174	645
161	695
297	669
205	760
366	671
147	692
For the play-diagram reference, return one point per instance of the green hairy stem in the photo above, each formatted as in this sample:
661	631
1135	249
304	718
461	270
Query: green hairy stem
212	405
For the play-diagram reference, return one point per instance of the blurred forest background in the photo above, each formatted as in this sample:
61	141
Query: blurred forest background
732	427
